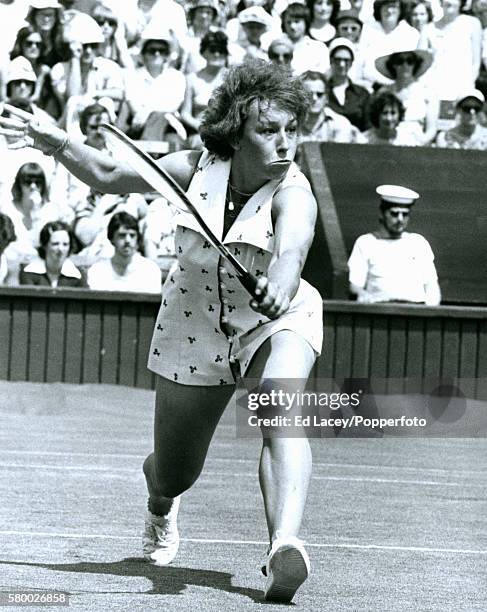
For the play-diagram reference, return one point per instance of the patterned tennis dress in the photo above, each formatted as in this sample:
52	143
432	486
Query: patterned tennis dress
206	333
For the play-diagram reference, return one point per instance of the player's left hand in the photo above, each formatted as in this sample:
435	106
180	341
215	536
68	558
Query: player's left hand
274	302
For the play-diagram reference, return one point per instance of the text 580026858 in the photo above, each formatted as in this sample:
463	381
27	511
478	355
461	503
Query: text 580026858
34	598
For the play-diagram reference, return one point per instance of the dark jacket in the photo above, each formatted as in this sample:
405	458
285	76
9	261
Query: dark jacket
35	273
355	107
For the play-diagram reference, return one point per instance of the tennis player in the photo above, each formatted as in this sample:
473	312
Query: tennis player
208	333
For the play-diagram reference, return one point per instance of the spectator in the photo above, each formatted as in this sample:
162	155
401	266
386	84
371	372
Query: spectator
154	89
391	264
323	15
308	54
421	107
457	59
386	113
168	13
30	208
280	51
21	85
349	25
322	124
115	45
87	76
53	268
200	85
420	15
236	32
127	270
202	18
387	33
7	235
29	44
46	17
468	133
344	96
255	23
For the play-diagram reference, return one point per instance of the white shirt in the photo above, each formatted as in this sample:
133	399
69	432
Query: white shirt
164	93
392	269
142	276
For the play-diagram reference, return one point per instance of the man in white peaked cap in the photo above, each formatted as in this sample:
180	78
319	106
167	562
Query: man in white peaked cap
391	264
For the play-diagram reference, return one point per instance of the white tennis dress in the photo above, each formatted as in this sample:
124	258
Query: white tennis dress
206	333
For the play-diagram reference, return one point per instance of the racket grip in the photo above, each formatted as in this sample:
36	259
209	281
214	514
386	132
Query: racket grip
249	281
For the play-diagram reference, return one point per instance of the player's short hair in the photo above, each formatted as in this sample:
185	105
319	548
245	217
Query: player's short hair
229	108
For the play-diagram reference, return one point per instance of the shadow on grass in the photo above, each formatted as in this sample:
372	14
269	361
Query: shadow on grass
165	580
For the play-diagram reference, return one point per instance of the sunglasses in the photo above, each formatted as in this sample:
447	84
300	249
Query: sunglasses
341	60
317	94
108	20
28	180
395	214
93	46
408	59
285	56
32	43
349	28
156	51
468	108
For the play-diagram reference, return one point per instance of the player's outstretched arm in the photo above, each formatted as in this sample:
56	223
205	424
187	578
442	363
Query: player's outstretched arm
93	167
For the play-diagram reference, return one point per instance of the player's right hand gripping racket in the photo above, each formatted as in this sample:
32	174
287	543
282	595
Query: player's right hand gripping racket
125	149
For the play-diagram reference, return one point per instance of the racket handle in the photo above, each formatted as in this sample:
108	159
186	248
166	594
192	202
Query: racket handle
249	281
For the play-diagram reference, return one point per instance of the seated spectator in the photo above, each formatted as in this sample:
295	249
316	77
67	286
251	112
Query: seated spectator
21	85
235	30
322	124
308	54
159	228
387	33
200	85
468	133
386	113
419	14
391	264
65	187
87	77
281	51
30	209
323	15
155	88
127	270
458	51
53	268
29	45
7	235
421	107
115	45
202	17
255	23
344	96
46	17
349	25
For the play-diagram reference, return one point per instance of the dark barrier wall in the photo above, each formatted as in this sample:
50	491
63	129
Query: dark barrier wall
78	337
451	214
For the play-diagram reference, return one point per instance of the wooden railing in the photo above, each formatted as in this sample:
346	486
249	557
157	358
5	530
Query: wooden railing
76	336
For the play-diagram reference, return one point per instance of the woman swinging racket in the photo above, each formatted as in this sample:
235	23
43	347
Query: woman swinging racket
208	333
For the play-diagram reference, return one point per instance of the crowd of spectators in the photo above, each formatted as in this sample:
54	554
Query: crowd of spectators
394	72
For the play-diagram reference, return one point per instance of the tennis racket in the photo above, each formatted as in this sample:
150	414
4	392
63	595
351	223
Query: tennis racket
125	149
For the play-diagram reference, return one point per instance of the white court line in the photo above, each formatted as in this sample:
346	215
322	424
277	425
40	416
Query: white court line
350	545
112	470
316	464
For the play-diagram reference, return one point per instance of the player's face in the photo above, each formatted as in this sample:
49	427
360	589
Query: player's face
57	249
395	220
125	241
269	140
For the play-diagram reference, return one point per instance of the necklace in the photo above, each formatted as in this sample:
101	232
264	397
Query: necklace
242	193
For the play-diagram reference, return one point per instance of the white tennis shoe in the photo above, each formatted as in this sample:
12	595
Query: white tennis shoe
286	569
160	541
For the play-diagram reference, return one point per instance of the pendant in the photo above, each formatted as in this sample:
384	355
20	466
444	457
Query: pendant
231	206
